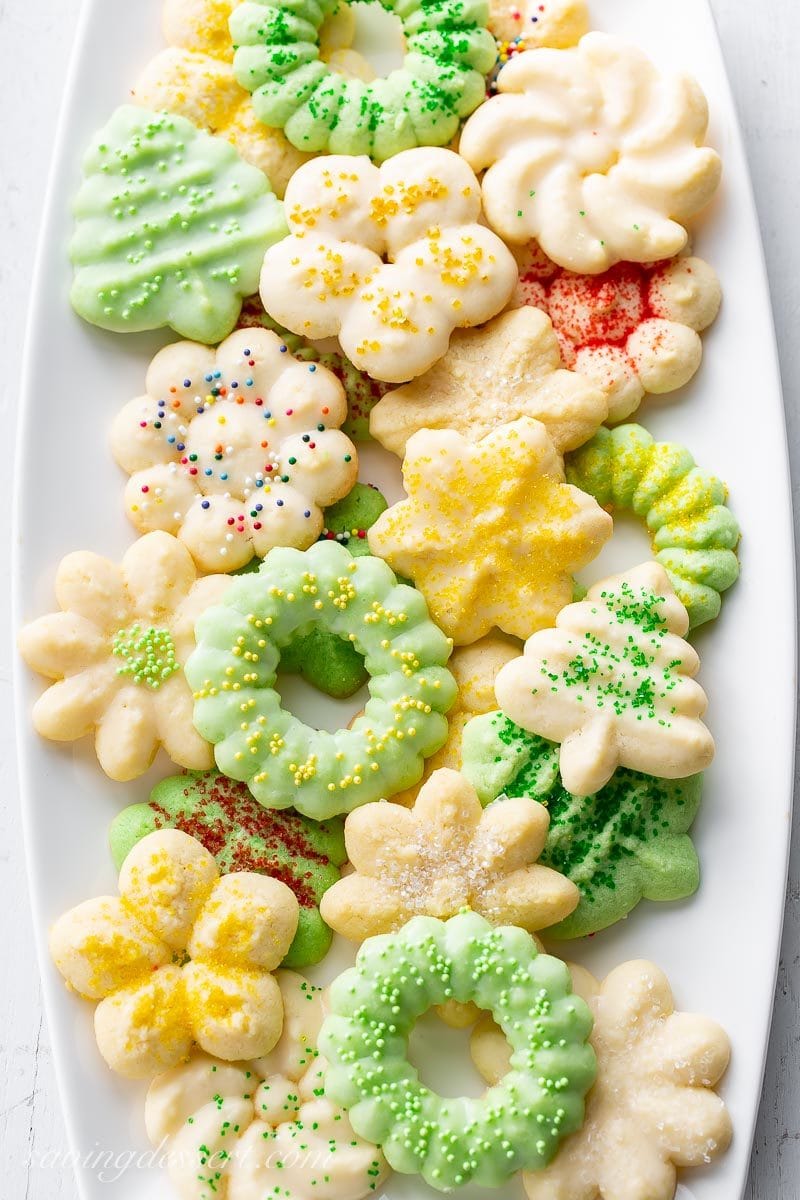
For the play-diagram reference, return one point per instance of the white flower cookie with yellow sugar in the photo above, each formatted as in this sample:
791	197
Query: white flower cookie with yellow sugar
593	153
391	259
181	956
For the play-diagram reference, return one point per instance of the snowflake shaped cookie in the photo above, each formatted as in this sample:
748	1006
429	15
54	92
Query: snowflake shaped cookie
652	1107
613	683
235	451
390	259
593	153
490	533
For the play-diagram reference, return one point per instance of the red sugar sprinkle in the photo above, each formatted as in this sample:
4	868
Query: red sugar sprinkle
145	488
230	520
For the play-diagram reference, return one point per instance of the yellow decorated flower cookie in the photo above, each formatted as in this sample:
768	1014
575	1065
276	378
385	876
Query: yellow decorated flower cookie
391	260
490	532
594	153
182	956
116	652
612	681
445	854
652	1108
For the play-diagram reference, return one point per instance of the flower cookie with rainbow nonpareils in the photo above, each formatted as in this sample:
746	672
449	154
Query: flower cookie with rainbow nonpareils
490	532
612	681
593	153
235	450
653	1107
634	329
391	260
180	957
116	652
244	1131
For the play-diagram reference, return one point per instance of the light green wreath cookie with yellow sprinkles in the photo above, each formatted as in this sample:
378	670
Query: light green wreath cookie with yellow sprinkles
233	671
694	534
448	53
517	1124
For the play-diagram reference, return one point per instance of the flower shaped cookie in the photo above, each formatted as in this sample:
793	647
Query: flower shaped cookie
490	533
652	1107
420	212
534	23
612	682
593	153
235	451
249	1130
116	651
445	854
181	956
510	368
631	330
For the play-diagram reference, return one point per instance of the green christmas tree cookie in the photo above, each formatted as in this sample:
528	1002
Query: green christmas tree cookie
305	855
626	843
171	228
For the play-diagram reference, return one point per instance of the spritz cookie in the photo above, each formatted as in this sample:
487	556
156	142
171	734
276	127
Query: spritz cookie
419	212
593	153
613	682
490	532
182	956
235	450
116	652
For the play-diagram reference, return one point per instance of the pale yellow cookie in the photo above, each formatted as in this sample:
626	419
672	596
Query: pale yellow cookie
264	1127
594	153
652	1107
509	368
613	683
182	957
556	23
116	652
490	533
445	854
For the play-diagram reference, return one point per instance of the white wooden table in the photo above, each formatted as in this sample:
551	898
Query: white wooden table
762	46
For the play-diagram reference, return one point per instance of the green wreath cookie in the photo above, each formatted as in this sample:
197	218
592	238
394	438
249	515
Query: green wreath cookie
626	843
694	534
448	53
517	1124
233	670
243	836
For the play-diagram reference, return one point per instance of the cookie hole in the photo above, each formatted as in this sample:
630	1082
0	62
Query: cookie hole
628	546
377	39
322	712
442	1059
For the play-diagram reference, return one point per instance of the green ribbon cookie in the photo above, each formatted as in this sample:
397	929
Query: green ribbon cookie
233	671
448	53
626	843
171	228
517	1124
694	534
244	836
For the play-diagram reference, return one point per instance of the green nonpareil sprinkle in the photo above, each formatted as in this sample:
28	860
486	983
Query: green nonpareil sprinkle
148	655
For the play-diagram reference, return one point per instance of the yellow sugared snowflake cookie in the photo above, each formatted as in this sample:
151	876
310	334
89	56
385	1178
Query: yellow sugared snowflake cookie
593	153
613	683
235	450
116	651
652	1107
509	368
490	533
419	212
181	956
445	854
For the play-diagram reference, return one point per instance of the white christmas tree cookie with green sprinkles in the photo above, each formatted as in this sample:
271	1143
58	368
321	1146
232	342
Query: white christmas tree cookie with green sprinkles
516	1125
613	683
284	761
171	227
390	260
235	450
249	1130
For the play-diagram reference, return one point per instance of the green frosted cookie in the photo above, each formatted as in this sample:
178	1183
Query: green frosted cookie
234	667
243	836
517	1124
694	534
171	228
626	843
448	53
